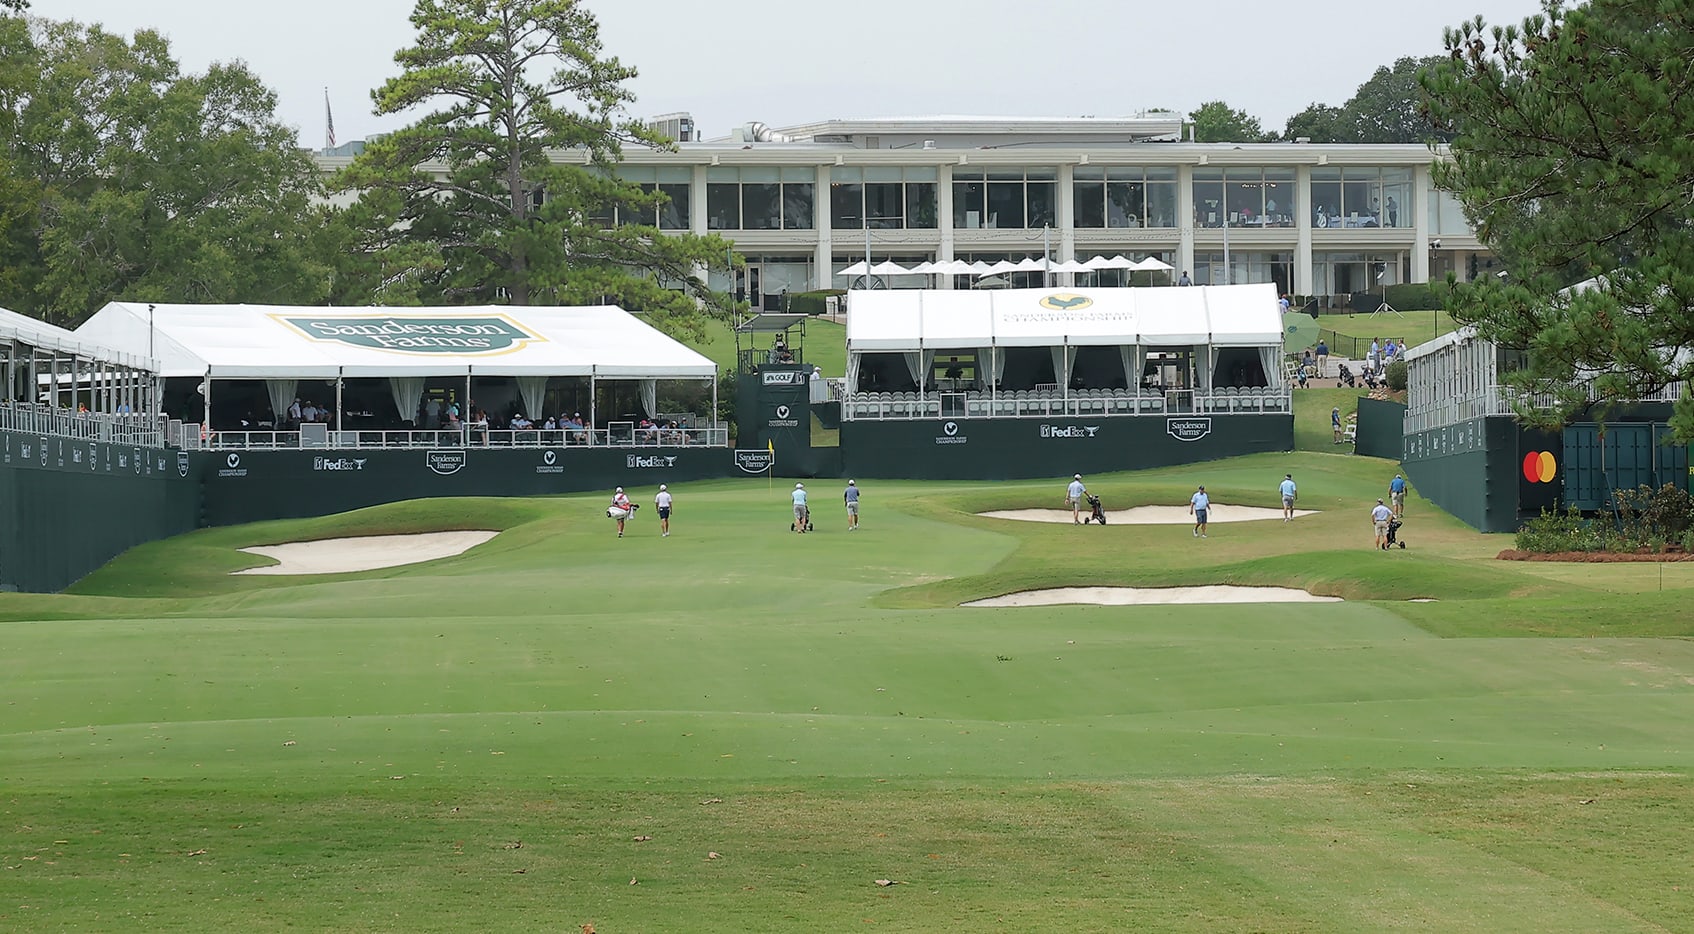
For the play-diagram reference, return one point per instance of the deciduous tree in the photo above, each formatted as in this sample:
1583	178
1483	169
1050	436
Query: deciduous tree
1217	122
1574	158
507	189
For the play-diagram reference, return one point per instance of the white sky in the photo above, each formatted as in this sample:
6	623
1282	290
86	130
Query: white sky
791	61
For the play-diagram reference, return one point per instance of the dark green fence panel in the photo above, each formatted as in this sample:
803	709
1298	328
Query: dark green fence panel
1381	429
1469	469
1628	455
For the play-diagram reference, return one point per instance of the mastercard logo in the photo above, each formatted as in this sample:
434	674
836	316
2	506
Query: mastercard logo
1540	467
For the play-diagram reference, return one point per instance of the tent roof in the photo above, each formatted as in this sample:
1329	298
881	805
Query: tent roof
38	333
279	342
1224	316
768	323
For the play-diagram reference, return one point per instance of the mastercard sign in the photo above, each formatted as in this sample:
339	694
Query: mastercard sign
1540	467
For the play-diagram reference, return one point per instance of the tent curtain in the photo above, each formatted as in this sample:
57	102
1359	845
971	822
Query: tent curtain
281	392
534	392
1269	357
996	364
1063	357
650	397
919	363
1203	367
407	391
853	372
1130	355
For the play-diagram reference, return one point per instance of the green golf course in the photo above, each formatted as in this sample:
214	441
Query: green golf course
741	729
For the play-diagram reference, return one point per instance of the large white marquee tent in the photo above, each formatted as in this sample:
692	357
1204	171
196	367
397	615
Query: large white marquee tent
1205	319
282	345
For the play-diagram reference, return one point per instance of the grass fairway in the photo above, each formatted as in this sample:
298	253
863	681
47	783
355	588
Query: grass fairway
738	729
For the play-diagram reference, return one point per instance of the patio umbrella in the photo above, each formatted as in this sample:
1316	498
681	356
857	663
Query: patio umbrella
925	268
1152	265
1032	264
1071	265
1101	262
954	267
1003	266
979	268
857	269
889	267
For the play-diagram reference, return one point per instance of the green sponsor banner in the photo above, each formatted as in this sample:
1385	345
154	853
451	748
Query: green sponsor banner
471	334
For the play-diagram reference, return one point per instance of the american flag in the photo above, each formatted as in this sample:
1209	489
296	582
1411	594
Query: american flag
329	123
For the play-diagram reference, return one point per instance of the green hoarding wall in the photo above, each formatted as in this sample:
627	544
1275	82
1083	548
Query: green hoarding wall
1470	469
1626	456
1013	449
1381	429
68	506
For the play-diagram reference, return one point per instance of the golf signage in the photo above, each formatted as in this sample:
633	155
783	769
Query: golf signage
755	461
1188	429
416	334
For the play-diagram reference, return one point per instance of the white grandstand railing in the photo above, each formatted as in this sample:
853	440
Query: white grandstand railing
1496	401
120	428
618	435
1044	403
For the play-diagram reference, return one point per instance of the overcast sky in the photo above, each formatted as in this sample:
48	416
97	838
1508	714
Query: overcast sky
785	62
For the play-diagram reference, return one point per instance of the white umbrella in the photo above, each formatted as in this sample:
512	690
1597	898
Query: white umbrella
1003	266
954	267
1101	262
857	269
925	268
889	267
979	268
1071	265
1032	264
1152	265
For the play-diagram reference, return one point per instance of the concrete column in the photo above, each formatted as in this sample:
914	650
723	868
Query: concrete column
1303	230
1066	214
1185	220
823	252
944	217
1420	224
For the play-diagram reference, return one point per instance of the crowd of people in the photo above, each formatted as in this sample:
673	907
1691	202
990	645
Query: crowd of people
1372	371
622	509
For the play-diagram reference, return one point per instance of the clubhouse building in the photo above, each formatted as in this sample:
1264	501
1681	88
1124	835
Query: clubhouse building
1336	222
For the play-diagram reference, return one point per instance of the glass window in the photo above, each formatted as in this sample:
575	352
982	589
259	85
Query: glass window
1089	204
1126	203
761	199
797	205
921	205
922	173
1244	196
1326	197
1397	197
723	198
846	199
1005	199
1208	198
1361	196
673	213
1039	199
884	204
1161	197
970	208
1279	197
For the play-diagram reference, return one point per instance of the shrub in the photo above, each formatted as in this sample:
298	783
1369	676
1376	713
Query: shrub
1397	376
1648	518
811	303
1418	296
1555	531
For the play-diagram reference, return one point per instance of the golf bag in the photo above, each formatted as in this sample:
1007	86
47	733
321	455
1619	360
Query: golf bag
1098	514
1344	377
617	512
804	523
1393	534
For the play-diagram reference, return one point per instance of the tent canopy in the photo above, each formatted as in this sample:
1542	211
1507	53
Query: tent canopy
279	342
906	320
40	334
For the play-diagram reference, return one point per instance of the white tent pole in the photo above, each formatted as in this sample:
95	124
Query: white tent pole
206	423
466	414
712	418
338	404
593	401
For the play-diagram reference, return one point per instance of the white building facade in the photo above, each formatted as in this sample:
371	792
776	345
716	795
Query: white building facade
801	203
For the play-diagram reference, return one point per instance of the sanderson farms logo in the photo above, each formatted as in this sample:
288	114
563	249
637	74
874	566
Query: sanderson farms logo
482	334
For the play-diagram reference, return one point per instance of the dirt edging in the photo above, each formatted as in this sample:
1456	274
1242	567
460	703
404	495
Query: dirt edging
1595	557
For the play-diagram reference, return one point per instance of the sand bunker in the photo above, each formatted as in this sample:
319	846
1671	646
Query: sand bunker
1151	515
341	555
1147	596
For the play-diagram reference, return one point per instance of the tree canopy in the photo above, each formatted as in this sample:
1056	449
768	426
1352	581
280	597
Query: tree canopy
1387	108
1573	156
507	190
121	177
1217	122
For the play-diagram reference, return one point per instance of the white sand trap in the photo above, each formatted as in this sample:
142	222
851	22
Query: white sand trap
1151	515
341	555
1148	596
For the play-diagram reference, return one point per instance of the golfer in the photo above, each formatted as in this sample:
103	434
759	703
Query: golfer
621	508
1199	504
1335	422
1074	496
851	497
801	513
1289	494
662	502
1379	517
1397	495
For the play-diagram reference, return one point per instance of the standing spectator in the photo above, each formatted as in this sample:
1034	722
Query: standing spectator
1323	357
1397	495
1379	517
1335	422
1289	494
621	509
851	498
1199	504
662	503
1184	280
802	515
1074	496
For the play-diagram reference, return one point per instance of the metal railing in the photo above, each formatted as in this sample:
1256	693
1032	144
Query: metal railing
1053	404
1496	400
617	435
122	428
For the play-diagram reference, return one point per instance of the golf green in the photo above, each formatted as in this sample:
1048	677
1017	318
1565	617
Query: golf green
738	728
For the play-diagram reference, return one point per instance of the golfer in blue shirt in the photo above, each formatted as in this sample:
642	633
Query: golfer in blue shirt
1397	495
1289	494
1198	504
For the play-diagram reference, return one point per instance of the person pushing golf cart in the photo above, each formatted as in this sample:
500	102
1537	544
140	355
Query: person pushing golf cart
1097	512
802	515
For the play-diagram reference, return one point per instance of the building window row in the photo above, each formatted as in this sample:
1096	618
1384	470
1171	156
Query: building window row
759	198
671	213
1124	196
883	198
1361	197
1005	197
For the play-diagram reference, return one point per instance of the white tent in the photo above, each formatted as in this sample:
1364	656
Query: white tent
276	342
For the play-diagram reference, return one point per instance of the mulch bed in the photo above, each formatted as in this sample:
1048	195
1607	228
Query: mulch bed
1595	557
